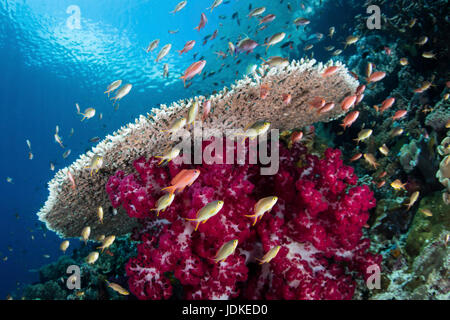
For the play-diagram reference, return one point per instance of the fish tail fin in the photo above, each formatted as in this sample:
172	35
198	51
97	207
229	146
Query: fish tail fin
161	161
180	52
184	80
170	189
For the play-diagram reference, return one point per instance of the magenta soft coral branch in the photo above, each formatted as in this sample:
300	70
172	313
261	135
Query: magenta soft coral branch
317	221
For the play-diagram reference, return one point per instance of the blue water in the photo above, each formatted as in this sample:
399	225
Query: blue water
46	68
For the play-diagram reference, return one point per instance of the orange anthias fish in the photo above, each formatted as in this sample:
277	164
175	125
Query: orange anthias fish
387	104
287	98
187	47
185	177
399	114
206	109
203	21
317	103
330	71
327	107
296	136
348	102
349	119
192	70
359	99
264	91
376	76
360	90
356	157
72	180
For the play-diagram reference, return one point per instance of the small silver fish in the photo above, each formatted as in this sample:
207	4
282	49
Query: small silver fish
164	51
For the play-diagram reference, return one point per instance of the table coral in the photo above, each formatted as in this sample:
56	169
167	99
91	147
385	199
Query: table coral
317	221
67	211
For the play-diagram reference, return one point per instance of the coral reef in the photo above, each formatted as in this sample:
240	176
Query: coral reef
409	155
439	117
68	210
444	147
443	174
110	266
418	268
317	221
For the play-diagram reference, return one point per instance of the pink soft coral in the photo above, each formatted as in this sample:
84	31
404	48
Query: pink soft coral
317	221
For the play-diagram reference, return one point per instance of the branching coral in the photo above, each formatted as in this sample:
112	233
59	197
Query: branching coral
68	210
317	221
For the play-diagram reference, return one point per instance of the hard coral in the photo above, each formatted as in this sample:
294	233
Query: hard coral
317	221
67	211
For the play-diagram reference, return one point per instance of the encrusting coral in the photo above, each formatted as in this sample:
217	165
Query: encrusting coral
317	221
68	209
